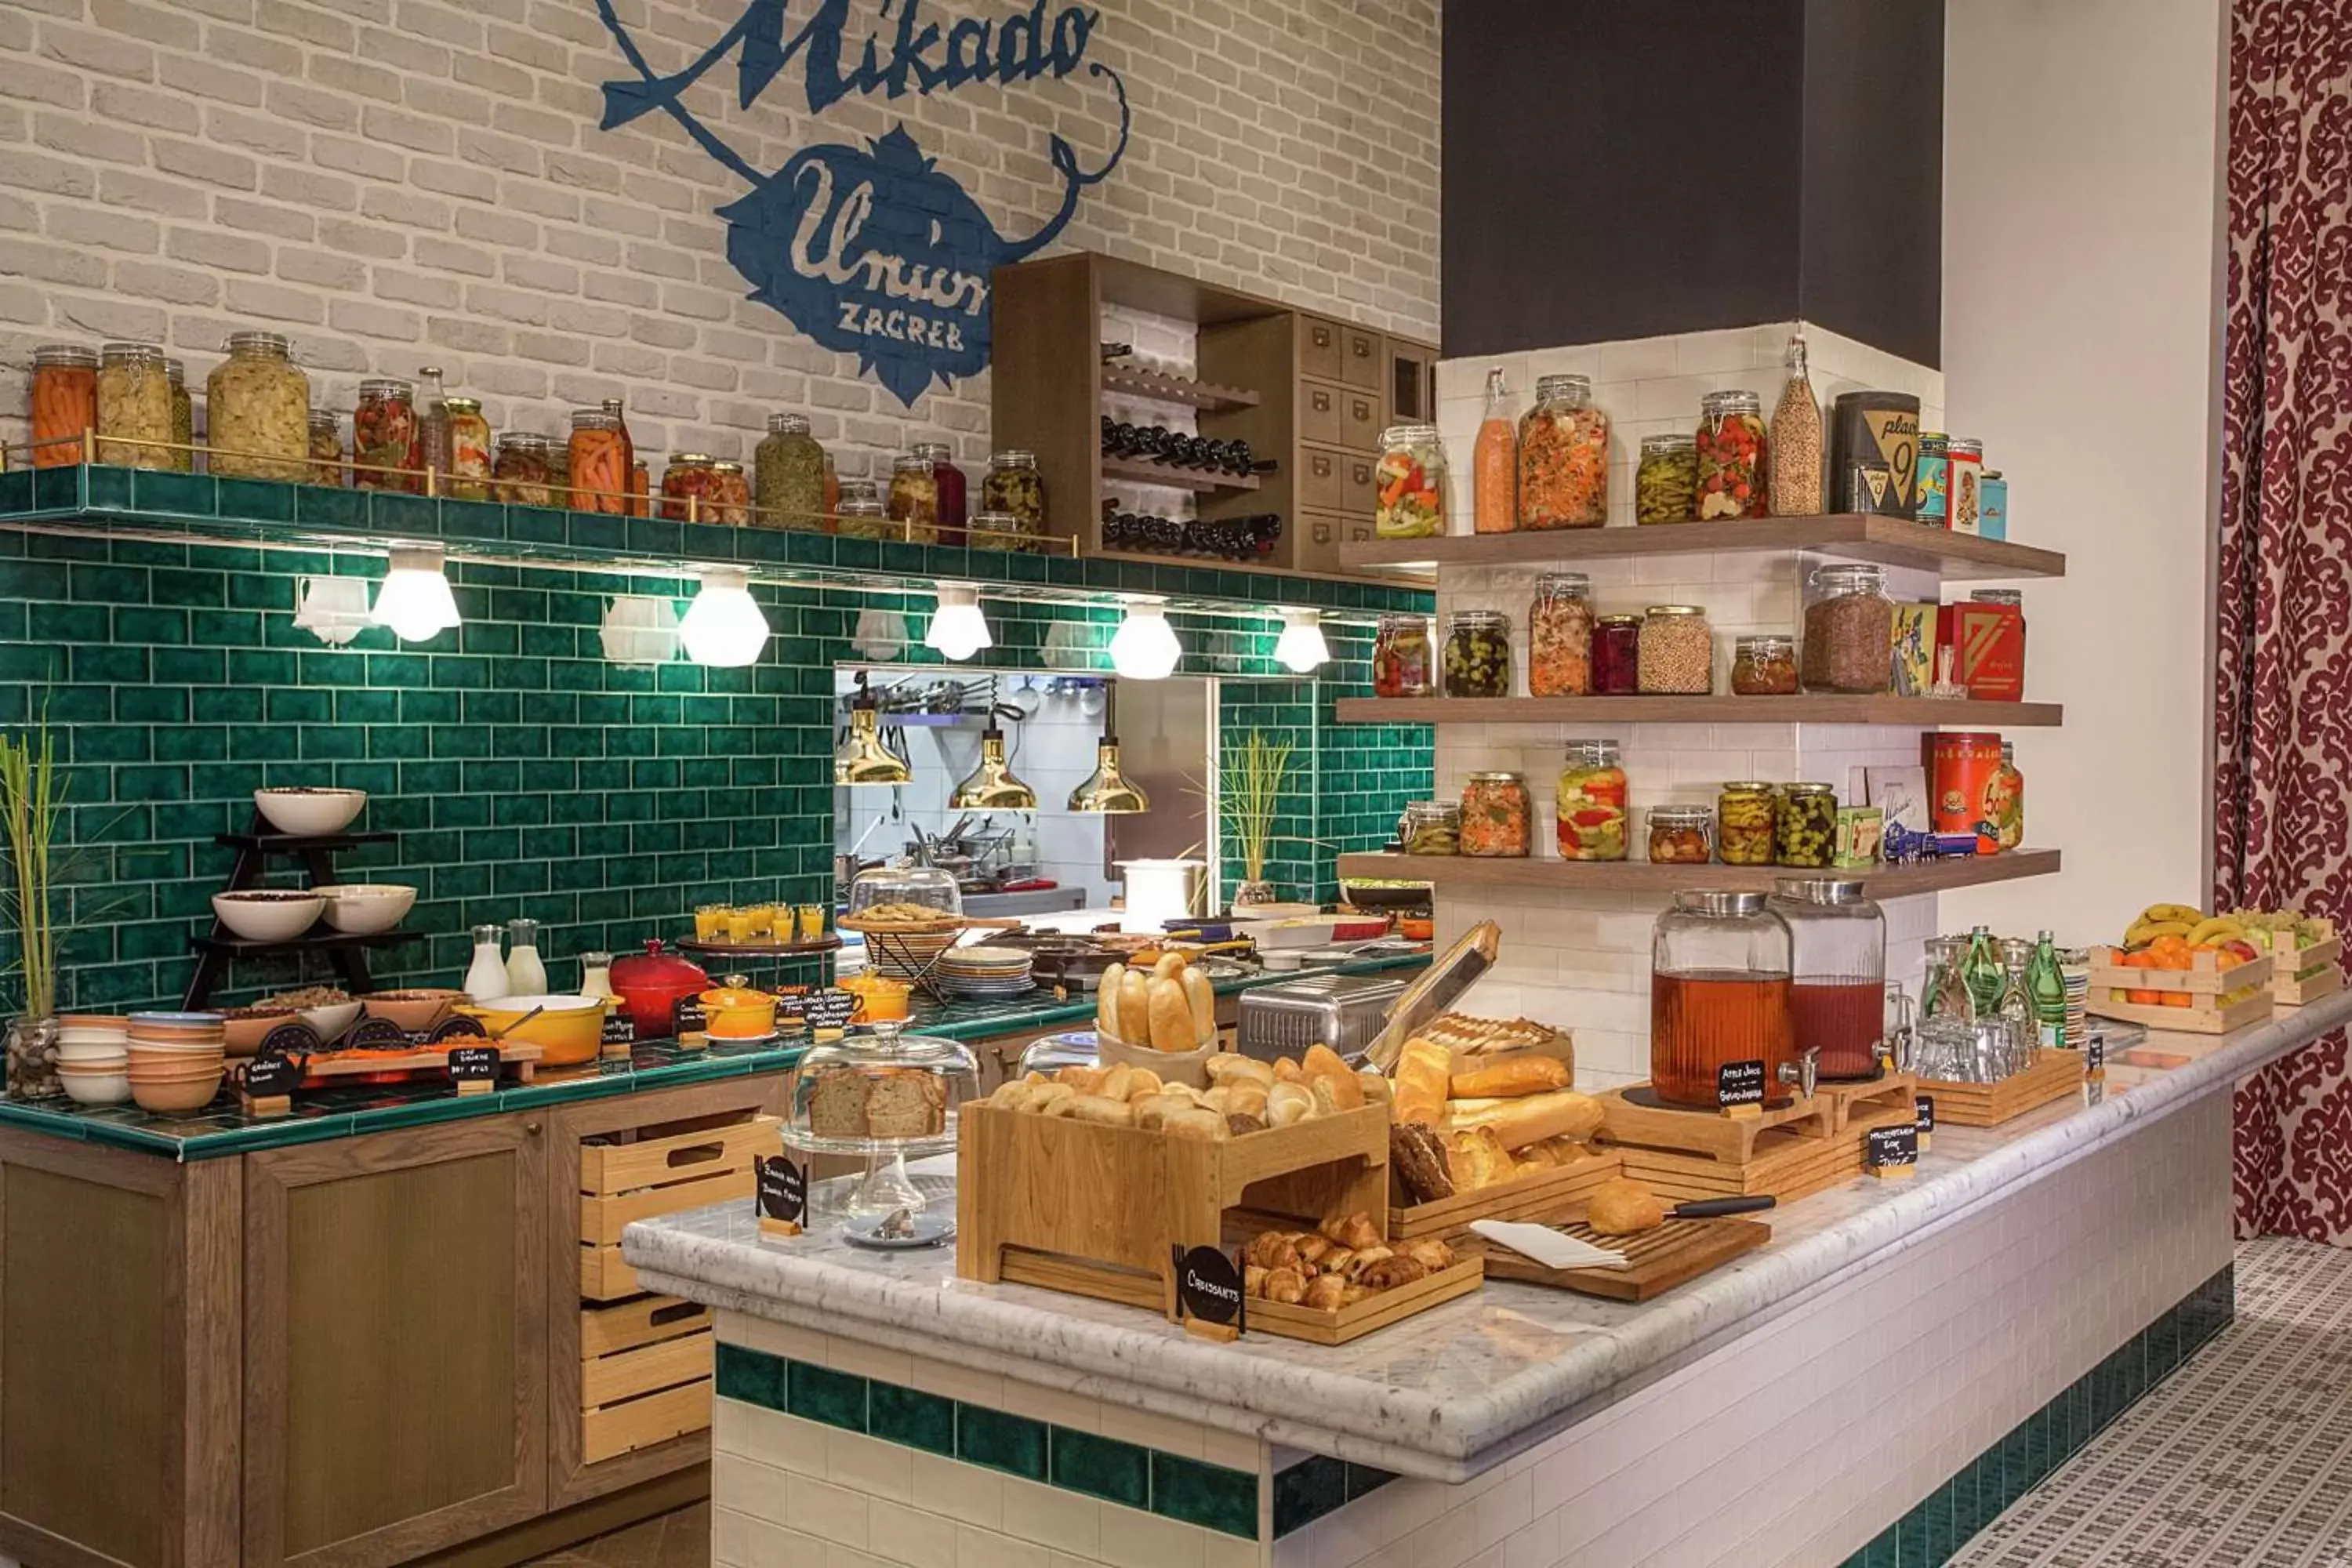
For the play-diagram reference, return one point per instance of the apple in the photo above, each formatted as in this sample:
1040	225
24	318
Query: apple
2243	949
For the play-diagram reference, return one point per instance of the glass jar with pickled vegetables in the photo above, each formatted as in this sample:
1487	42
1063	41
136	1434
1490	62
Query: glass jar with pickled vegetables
1849	630
599	463
65	403
1764	665
1679	834
1496	814
859	513
788	475
1409	485
520	476
1805	831
326	450
259	405
685	488
731	494
1729	479
1430	827
135	402
915	497
1666	481
1401	664
640	488
1677	655
1013	485
1616	655
949	479
559	471
183	418
1590	803
1563	457
383	433
1559	636
1744	816
469	449
1477	659
993	529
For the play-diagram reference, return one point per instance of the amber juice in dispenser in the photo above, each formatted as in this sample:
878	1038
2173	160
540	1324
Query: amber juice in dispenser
1720	993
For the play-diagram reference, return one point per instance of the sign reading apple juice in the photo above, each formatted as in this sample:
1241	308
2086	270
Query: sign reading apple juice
871	249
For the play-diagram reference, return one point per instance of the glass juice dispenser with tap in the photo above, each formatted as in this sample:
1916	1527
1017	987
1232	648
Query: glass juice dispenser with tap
1720	994
1838	995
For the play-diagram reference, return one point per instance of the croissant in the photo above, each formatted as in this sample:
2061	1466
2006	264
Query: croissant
1287	1284
1355	1230
1273	1250
1431	1253
1326	1294
1391	1272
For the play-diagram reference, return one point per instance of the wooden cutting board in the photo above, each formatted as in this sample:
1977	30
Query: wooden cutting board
1657	1260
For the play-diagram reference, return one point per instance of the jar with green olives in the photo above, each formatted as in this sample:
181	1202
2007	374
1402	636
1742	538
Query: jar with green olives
1806	830
1478	658
1666	481
789	473
1744	816
1013	485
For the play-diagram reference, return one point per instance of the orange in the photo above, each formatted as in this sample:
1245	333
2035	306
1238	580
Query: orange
2145	999
2178	999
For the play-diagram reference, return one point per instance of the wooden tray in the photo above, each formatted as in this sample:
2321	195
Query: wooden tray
1543	1195
2056	1076
1656	1260
1788	1163
327	1066
1736	1140
1865	1096
1377	1311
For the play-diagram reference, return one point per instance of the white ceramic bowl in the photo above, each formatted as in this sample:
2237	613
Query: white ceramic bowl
364	909
309	811
332	1019
280	918
96	1087
87	1040
94	1053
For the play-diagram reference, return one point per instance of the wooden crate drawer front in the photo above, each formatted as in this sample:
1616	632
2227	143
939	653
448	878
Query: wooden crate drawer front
609	1169
649	1369
606	1331
641	1423
1319	352
1320	534
603	1277
1359	414
1409	384
602	1219
1364	354
1321	415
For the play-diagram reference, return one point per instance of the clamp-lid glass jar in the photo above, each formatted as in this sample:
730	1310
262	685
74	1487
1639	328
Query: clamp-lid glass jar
1764	664
1563	457
1744	813
523	474
731	494
1013	485
470	451
1677	651
1729	478
1804	831
1477	654
1430	827
1401	662
1616	655
1679	835
383	429
1720	972
859	513
915	497
1559	636
1408	484
990	529
326	449
65	403
1589	804
685	488
788	472
183	421
601	462
1666	480
135	402
1849	631
1495	815
258	404
948	480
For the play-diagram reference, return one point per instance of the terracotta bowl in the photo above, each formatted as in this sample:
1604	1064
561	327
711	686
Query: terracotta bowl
173	1066
415	1011
113	1021
175	1099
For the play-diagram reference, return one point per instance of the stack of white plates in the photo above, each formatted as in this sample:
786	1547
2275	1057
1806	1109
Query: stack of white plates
980	973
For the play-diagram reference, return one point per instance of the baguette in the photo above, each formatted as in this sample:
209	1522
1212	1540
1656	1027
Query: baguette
1203	999
1135	1008
1527	1075
1170	1016
1420	1083
1106	995
1169	966
1563	1113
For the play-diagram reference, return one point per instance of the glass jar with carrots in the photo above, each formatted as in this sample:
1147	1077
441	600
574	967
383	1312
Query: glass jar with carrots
65	403
600	462
1564	457
1409	484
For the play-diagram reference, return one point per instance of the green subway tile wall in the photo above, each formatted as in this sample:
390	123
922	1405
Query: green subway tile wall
524	771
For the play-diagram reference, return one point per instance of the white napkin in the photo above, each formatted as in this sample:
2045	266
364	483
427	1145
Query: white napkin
1552	1248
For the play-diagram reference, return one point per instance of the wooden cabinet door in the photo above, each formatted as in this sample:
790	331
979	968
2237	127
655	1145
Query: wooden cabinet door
395	1389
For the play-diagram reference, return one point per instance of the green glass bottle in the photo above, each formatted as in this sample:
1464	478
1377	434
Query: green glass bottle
2047	985
1981	972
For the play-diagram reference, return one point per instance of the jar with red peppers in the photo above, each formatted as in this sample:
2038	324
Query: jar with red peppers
1403	664
1730	444
952	493
685	488
1616	655
1559	637
383	432
731	494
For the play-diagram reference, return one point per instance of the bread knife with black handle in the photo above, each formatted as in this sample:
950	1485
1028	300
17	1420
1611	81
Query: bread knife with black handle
1714	1208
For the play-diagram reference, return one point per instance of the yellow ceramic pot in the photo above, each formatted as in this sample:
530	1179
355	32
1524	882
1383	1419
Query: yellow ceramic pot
738	1012
879	998
569	1031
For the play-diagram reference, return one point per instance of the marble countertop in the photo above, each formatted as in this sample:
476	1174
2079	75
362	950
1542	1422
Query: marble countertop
1458	1389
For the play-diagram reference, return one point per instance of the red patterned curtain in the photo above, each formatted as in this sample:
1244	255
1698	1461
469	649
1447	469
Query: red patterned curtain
2282	777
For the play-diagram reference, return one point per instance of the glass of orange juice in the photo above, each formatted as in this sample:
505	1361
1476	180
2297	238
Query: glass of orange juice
742	920
710	923
811	922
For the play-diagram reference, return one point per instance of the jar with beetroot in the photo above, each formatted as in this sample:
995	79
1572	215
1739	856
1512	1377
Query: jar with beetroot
1616	655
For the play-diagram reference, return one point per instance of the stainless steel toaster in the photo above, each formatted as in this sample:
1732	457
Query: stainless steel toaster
1341	1011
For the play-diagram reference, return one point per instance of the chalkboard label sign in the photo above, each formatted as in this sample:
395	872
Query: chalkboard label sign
828	1009
791	1006
1924	1107
475	1067
619	1029
379	1035
1208	1286
457	1026
290	1040
687	1017
783	1189
2094	1055
1892	1148
271	1074
1739	1083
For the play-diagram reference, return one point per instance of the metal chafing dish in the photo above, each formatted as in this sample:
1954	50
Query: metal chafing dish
1344	1012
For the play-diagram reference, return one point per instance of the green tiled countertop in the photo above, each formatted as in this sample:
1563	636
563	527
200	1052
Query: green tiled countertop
348	1111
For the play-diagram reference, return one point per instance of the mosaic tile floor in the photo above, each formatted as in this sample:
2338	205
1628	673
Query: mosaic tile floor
2242	1459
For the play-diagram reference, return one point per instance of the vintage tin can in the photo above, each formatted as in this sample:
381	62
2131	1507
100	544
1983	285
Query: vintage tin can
1960	768
1964	476
1869	429
1986	636
1935	469
1992	506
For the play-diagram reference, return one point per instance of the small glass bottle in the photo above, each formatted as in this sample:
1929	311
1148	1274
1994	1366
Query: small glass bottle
183	418
596	976
65	403
470	451
1980	974
641	489
1795	441
950	483
1494	463
526	975
383	434
430	450
486	977
2045	983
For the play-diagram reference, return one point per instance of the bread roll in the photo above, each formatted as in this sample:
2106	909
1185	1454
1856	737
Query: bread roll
1171	1016
1107	999
1152	1111
1095	1108
1229	1067
1135	1008
1115	1083
1286	1103
1285	1071
1240	1123
1052	1094
1323	1064
1563	1113
1476	1158
1527	1075
1421	1080
1203	996
1194	1123
1142	1082
1622	1207
1376	1090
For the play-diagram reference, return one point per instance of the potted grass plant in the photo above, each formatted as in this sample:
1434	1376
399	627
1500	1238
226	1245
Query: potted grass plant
1252	777
31	802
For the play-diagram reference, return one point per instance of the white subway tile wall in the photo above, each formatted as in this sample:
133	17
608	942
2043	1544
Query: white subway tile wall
399	181
1583	961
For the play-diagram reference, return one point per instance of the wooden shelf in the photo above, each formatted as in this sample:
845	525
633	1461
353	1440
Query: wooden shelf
1889	541
1456	873
1124	381
1804	709
1138	472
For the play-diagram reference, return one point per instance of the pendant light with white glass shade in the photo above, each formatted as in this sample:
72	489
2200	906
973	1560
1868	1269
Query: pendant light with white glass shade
723	627
1145	646
414	600
958	629
1301	648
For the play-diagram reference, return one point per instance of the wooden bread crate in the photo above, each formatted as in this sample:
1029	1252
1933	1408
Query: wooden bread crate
645	1374
1374	1312
1540	1195
668	1173
2204	984
2056	1076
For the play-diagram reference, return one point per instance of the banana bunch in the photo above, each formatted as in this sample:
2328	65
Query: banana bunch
2220	928
2164	919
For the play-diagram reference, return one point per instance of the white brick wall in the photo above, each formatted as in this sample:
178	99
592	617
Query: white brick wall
398	181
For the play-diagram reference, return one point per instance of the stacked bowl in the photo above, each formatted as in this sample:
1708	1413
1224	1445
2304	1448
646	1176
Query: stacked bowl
176	1060
94	1058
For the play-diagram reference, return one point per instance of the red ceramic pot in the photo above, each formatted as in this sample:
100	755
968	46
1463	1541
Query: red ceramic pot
650	986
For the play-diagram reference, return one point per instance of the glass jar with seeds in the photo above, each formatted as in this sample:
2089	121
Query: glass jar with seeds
1849	630
1677	651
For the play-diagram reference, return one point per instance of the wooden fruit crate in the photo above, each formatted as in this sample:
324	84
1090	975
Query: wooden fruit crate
622	1183
2057	1076
1543	1195
2288	991
2304	973
1095	1210
645	1374
2204	984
